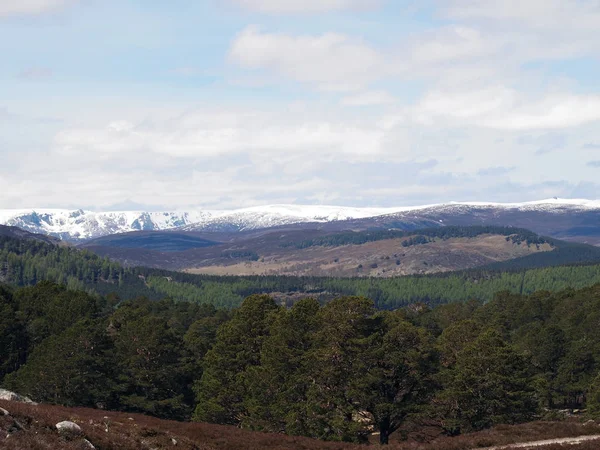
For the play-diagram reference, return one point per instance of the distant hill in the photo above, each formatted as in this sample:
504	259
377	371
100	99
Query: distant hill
375	253
17	233
79	225
167	241
75	225
575	220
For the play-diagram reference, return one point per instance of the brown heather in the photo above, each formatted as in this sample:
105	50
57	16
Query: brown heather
135	431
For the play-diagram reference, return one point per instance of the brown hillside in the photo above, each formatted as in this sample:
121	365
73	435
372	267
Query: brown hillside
385	258
31	427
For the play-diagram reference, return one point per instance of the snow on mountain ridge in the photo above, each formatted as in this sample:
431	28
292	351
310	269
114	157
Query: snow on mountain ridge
79	224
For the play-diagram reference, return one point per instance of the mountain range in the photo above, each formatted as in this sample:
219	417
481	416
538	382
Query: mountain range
570	219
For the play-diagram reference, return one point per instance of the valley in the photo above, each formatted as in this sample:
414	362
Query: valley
549	265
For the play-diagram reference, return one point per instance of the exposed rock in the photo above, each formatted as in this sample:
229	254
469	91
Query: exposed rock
11	396
69	428
88	444
4	412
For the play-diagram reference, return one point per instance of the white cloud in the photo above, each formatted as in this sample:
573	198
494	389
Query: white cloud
369	98
338	62
330	60
464	105
214	133
537	29
18	7
452	55
449	44
503	108
490	43
491	88
222	159
533	13
552	112
305	6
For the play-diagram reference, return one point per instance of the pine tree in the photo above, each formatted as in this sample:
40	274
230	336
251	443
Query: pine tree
348	330
151	368
593	398
73	368
393	377
13	336
277	389
222	389
489	384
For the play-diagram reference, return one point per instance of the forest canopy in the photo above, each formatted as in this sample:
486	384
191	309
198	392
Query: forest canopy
339	371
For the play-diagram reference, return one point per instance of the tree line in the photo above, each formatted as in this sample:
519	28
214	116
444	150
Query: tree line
515	235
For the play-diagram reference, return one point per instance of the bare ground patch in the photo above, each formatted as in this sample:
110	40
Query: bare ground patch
386	258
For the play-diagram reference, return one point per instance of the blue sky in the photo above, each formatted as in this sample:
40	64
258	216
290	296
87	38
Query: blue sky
232	103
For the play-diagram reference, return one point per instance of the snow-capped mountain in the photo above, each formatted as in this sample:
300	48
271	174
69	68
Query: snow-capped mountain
277	215
79	224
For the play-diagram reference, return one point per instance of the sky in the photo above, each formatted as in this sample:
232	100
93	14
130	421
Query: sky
221	104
